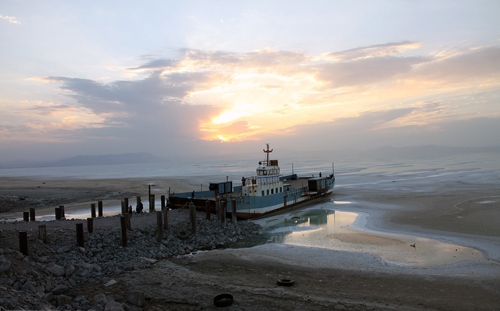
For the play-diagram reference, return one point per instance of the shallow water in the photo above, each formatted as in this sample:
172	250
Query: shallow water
322	226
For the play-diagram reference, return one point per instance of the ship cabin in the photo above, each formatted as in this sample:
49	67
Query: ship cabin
266	182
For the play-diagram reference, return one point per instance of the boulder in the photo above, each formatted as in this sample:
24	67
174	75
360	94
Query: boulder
56	270
136	298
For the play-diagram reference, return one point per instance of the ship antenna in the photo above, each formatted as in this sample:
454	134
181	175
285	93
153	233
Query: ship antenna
267	154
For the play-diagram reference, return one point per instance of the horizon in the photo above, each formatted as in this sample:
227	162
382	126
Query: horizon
177	79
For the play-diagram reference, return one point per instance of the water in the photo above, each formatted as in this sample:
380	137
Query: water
324	226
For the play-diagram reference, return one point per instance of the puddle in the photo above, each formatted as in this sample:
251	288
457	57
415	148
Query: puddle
344	231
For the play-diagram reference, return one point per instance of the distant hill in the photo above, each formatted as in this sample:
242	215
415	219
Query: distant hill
85	160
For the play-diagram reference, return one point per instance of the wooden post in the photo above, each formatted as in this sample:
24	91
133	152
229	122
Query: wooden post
92	210
123	225
223	213
79	234
152	203
32	214
63	213
125	203
26	216
58	213
90	225
233	211
129	223
23	242
207	209
99	208
162	202
159	226
192	217
284	201
217	208
166	225
42	233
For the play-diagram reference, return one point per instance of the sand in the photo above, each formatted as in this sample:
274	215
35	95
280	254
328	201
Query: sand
457	213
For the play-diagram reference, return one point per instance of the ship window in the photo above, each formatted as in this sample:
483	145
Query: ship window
272	191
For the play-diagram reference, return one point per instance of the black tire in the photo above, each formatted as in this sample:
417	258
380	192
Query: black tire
223	300
285	282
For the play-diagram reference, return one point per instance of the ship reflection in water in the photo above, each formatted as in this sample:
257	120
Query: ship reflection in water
324	226
304	223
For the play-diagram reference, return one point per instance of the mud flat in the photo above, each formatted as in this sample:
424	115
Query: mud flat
444	210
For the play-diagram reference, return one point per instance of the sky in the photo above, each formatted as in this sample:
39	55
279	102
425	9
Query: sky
190	78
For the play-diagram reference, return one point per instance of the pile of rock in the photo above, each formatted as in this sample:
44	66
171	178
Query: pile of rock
42	279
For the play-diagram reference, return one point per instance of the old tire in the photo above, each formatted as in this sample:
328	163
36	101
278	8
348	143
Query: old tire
223	300
285	282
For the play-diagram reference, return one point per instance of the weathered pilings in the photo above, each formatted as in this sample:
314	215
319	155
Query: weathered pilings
92	210
223	208
63	213
138	207
192	217
207	210
124	206
23	242
58	213
233	211
152	203
26	216
159	226
123	226
163	202
42	233
79	234
217	208
166	224
99	208
129	223
90	225
32	214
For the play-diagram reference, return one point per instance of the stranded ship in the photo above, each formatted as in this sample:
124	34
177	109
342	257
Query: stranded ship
267	192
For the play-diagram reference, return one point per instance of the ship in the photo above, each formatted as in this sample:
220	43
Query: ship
266	193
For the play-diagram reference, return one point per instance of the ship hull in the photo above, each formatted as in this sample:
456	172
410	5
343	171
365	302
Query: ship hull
254	207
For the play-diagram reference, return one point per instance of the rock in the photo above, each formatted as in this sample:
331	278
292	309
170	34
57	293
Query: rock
4	264
136	298
27	287
113	306
63	249
62	300
69	270
59	289
48	297
56	270
98	298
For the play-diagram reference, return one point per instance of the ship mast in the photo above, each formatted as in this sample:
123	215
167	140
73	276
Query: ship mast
267	153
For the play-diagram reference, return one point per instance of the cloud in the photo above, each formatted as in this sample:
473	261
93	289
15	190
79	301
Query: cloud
482	63
365	97
367	70
373	51
156	64
10	19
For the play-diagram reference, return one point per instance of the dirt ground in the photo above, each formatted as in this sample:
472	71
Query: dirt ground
250	275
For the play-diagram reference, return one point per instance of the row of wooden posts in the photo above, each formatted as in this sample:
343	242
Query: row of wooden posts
162	220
